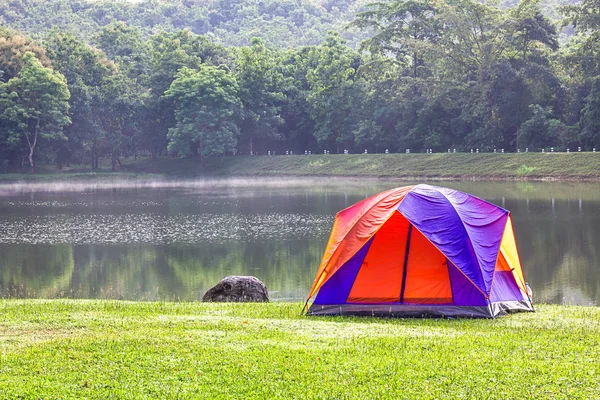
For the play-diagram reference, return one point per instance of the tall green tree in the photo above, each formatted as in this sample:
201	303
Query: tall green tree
590	118
260	79
335	93
207	105
121	106
298	124
170	51
476	38
124	45
408	29
86	71
530	27
39	108
582	63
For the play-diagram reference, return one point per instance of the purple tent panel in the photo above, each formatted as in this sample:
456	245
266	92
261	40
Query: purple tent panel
337	288
463	291
454	222
505	287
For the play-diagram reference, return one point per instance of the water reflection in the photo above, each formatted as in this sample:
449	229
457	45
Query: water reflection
173	242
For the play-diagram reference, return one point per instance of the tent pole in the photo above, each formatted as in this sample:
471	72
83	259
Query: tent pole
406	252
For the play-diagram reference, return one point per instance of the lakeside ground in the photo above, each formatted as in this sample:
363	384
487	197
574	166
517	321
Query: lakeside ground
482	166
115	349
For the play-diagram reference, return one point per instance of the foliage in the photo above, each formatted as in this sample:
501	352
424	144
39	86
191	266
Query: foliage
13	47
407	29
86	71
232	22
260	83
432	74
39	107
525	170
334	94
207	103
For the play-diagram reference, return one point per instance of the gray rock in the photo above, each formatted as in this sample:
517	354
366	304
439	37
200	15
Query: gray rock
237	289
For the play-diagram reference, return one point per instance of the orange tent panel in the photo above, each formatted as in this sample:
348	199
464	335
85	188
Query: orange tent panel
380	277
427	278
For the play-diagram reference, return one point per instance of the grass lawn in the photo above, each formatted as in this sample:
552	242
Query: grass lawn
482	166
115	349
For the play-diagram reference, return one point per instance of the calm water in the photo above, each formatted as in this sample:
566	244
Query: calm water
173	240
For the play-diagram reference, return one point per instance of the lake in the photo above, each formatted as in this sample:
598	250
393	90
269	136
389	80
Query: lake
172	240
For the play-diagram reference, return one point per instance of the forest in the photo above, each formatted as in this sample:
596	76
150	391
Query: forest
92	82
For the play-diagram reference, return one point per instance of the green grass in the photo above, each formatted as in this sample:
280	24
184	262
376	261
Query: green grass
115	349
565	166
485	166
525	170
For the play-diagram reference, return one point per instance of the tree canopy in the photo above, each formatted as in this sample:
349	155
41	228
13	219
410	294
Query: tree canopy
124	79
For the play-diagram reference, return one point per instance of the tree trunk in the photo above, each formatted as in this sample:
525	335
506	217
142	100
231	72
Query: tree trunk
490	103
94	158
31	166
113	161
201	153
415	65
251	145
32	145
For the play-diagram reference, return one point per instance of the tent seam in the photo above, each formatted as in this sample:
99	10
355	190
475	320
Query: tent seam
361	263
444	254
498	255
469	238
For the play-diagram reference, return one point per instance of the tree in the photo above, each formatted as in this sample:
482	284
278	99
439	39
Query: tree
207	104
40	107
13	47
170	51
408	29
298	125
590	118
260	92
475	40
529	27
584	16
582	63
120	109
86	71
124	45
334	96
533	133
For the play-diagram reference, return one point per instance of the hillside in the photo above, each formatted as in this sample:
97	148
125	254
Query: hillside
233	22
457	74
282	24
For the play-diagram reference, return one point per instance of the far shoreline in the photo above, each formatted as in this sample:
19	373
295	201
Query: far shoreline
484	167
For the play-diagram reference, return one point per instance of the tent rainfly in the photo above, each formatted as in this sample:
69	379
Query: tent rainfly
421	251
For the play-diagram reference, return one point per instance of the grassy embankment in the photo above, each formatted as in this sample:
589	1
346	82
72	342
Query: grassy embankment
531	166
114	349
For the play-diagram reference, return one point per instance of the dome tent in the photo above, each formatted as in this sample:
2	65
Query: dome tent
420	251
